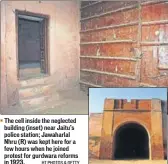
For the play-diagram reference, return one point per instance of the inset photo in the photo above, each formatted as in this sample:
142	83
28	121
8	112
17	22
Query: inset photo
127	124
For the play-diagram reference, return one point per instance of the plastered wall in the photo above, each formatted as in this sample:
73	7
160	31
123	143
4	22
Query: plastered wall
63	44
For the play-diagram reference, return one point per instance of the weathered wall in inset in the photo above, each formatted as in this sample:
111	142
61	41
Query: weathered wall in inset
148	118
95	126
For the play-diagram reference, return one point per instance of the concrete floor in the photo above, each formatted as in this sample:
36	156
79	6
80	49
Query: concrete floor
71	101
128	162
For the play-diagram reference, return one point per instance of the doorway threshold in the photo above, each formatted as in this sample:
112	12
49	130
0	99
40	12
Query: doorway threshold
34	76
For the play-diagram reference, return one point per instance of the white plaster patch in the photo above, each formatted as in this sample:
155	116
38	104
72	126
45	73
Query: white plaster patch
163	57
116	69
162	36
157	33
98	52
155	51
114	36
137	53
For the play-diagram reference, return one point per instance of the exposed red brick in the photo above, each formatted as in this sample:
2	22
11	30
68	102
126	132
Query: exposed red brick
114	66
147	69
151	33
105	6
155	12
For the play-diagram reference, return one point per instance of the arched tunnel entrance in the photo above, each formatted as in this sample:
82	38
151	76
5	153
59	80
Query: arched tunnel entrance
131	142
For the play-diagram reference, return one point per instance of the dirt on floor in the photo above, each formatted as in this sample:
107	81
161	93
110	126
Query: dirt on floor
93	161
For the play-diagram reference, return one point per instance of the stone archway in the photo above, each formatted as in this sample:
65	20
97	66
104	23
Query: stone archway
145	113
131	141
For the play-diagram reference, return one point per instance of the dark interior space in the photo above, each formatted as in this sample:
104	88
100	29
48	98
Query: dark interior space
131	142
29	43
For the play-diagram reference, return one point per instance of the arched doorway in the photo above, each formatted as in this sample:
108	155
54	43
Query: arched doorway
131	142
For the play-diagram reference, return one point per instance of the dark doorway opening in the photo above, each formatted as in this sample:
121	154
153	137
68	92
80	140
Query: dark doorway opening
32	44
131	142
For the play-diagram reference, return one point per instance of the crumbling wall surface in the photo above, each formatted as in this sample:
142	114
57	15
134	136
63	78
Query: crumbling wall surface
63	43
95	124
3	85
154	69
124	43
95	127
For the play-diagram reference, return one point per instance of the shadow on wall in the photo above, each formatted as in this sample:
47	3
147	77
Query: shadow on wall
165	117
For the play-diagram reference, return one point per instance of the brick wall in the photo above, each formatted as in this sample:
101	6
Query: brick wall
132	104
124	44
95	126
144	118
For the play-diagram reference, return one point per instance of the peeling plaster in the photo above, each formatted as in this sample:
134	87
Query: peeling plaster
162	36
163	50
116	69
98	52
163	57
155	52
